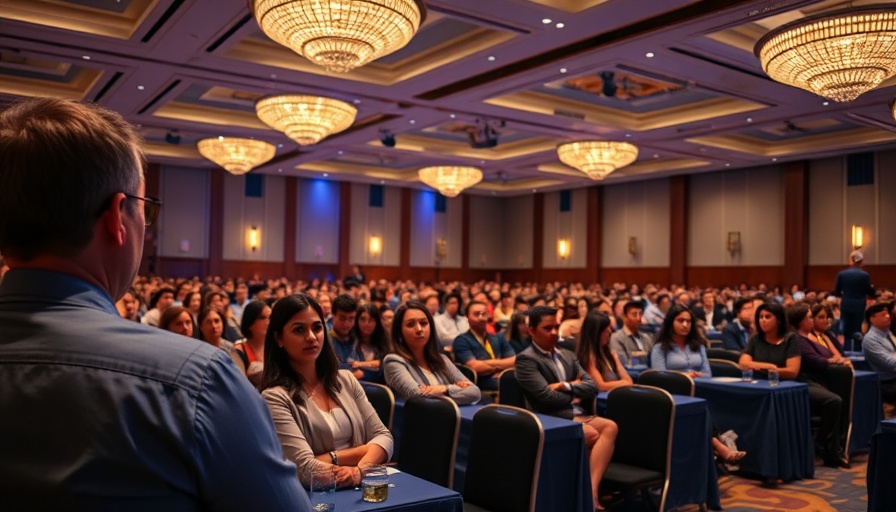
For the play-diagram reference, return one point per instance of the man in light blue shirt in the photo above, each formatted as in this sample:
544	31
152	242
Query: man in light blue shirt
879	348
99	413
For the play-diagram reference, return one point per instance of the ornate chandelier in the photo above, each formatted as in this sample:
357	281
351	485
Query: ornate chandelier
597	158
340	35
838	55
306	119
450	180
236	155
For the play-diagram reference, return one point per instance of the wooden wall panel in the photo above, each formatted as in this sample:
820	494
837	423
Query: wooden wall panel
821	277
182	267
640	275
732	276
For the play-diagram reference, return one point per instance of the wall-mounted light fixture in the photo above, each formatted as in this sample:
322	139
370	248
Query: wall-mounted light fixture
733	242
858	236
563	248
633	245
254	238
441	248
375	246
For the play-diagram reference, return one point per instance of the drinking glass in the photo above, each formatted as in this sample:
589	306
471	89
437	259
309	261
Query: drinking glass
323	490
773	377
746	375
374	483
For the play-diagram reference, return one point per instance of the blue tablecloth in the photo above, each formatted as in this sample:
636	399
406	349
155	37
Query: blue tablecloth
859	363
691	454
867	411
882	468
564	481
772	423
409	494
635	370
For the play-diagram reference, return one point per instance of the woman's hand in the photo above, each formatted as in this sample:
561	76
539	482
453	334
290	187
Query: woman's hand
695	374
440	389
346	476
463	383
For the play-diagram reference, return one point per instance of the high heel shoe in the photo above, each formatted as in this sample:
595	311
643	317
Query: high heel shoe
735	457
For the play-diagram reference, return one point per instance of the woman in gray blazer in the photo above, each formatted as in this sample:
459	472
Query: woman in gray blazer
321	414
418	367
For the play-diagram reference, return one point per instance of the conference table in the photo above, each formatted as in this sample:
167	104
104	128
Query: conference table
867	411
407	493
564	481
692	454
881	468
772	424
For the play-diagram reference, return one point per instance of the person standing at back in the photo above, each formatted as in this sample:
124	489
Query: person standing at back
100	413
854	286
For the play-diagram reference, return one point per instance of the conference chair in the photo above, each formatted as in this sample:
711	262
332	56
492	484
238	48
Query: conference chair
468	372
509	390
840	380
677	383
428	444
724	368
643	452
503	460
721	353
383	401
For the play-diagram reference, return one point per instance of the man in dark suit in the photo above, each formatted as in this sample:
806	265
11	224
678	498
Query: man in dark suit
714	316
554	383
736	334
854	286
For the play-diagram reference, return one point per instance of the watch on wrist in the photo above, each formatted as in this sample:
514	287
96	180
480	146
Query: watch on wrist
567	386
334	458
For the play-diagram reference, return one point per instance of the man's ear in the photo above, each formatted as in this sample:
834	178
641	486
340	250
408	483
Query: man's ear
112	220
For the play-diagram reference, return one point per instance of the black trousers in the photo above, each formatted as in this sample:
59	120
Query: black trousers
888	391
828	406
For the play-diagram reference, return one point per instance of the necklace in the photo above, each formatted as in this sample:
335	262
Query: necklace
313	392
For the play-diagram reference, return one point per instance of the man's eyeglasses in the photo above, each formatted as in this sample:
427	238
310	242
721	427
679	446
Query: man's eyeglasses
151	208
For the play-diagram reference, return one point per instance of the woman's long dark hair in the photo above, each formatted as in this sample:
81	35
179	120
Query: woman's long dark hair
379	340
431	353
775	309
203	313
589	349
513	330
277	370
666	336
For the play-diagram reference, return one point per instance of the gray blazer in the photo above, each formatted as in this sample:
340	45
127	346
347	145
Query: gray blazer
622	343
304	432
535	372
405	379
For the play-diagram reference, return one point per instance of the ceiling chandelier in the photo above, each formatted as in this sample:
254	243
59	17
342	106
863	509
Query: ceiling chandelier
450	180
597	158
306	119
236	155
340	35
838	55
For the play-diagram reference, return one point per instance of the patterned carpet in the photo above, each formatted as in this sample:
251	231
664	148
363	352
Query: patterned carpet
832	490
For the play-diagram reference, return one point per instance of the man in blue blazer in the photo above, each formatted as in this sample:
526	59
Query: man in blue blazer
854	286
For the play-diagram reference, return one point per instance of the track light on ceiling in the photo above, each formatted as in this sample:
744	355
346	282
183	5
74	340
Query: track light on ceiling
387	138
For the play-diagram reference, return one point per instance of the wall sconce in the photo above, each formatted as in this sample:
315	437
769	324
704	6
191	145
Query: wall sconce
633	245
375	245
254	238
858	236
733	242
563	248
441	248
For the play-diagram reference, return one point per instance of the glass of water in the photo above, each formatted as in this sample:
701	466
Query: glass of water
323	490
773	377
374	483
746	375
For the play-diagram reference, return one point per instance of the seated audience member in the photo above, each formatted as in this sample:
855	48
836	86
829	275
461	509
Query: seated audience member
386	316
220	302
879	348
240	299
571	323
679	345
817	359
248	355
517	332
554	383
372	344
326	305
595	356
629	342
177	320
345	309
321	414
654	314
504	309
418	367
822	320
432	304
486	354
193	304
714	316
451	323
159	302
128	305
211	327
736	334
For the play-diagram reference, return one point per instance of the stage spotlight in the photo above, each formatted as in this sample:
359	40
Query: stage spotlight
387	138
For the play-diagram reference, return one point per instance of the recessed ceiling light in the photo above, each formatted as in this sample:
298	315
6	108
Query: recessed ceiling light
412	121
563	70
356	101
85	57
279	170
546	21
656	155
534	190
494	193
339	152
140	88
482	162
826	103
649	55
452	116
382	182
749	119
280	146
628	135
273	76
727	165
491	58
774	159
559	25
326	175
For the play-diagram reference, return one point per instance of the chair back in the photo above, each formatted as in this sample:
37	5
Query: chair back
429	438
646	419
724	368
509	390
676	383
841	380
383	401
508	481
468	372
721	353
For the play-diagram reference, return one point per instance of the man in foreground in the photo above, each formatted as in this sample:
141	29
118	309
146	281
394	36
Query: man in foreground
100	413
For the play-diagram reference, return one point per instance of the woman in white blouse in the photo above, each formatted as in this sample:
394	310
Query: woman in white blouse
320	413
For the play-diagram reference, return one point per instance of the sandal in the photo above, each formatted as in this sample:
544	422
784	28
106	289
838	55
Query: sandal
735	457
